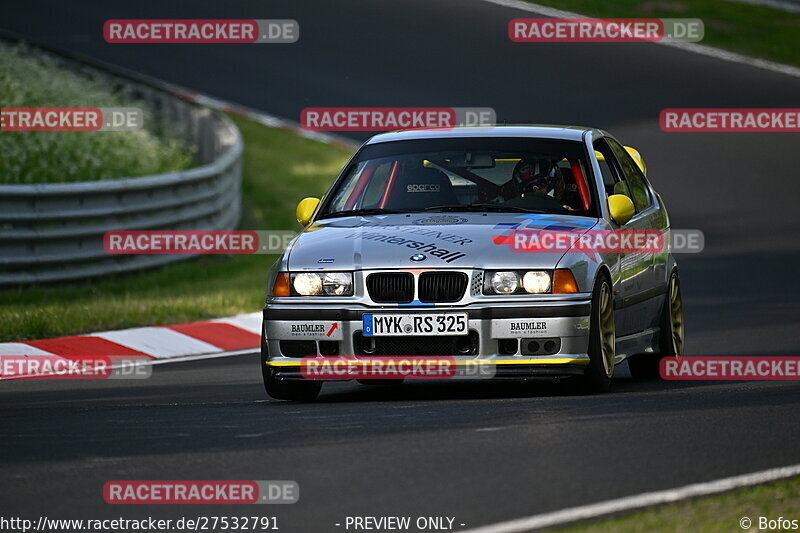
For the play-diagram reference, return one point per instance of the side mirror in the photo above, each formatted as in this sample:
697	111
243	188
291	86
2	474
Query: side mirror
634	153
621	209
305	210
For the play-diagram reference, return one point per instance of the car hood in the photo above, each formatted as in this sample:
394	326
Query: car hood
425	240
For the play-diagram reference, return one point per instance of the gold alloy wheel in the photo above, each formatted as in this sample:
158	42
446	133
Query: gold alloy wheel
606	324
676	315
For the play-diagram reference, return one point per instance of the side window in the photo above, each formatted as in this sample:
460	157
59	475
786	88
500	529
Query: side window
612	177
633	175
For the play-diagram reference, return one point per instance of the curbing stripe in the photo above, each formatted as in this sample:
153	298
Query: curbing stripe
225	336
159	342
250	322
235	334
20	348
82	346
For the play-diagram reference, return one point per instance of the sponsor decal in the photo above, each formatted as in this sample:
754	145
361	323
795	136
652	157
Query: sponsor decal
440	220
429	248
314	329
426	232
520	328
423	187
326	261
529	326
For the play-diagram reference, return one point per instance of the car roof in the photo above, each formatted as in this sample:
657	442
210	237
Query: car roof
567	133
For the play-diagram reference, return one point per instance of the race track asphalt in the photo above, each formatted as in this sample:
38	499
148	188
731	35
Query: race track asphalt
480	452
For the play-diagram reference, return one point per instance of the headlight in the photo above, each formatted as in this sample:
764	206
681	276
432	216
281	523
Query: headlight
316	284
517	282
307	284
505	282
338	283
536	281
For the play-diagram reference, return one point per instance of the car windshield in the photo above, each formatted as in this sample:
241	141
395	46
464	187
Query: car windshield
465	174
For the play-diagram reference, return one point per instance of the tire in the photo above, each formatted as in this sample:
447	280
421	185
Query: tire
671	336
602	340
282	389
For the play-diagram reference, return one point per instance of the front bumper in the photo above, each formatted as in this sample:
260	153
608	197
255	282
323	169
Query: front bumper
510	337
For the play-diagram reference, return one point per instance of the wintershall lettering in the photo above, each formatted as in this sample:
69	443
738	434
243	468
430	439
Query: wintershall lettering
428	248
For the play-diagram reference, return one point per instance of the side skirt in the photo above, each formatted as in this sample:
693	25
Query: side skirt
642	342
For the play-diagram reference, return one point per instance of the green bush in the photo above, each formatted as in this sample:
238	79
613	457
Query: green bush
29	79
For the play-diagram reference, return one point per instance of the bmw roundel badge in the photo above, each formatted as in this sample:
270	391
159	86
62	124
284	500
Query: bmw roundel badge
418	257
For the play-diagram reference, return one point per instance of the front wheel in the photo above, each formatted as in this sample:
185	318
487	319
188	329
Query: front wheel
602	340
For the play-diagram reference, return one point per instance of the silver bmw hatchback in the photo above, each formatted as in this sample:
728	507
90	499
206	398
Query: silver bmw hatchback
537	251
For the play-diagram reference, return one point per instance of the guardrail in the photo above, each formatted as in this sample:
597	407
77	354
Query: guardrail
54	231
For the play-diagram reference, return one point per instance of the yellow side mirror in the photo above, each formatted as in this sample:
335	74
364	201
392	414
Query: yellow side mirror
305	210
634	153
621	209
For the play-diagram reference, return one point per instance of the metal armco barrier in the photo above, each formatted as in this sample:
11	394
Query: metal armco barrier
54	231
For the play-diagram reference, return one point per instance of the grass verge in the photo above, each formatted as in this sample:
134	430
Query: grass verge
752	30
280	168
30	79
711	514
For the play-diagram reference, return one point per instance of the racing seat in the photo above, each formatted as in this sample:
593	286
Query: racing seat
421	188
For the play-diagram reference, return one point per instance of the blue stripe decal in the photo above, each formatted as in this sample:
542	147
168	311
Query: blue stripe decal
417	303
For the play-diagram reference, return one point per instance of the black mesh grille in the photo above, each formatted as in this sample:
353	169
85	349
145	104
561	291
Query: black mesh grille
417	345
391	287
442	286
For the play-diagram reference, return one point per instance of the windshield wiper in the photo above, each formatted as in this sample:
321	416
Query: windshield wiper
483	207
360	212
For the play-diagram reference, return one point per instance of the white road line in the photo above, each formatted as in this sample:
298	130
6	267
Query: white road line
639	501
185	359
782	5
702	49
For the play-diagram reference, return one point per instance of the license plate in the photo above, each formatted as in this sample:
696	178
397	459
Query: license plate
424	324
